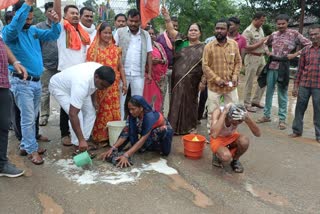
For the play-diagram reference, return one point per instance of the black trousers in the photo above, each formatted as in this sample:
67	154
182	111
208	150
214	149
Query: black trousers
64	125
202	102
5	104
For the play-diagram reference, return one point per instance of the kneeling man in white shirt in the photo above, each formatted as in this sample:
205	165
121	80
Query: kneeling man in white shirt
73	89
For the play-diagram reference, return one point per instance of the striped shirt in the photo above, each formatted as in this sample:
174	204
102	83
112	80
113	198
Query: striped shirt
221	61
4	79
309	68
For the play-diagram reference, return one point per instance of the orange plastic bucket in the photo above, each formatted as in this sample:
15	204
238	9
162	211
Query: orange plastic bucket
193	149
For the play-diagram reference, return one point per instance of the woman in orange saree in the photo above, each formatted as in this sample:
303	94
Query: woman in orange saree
107	102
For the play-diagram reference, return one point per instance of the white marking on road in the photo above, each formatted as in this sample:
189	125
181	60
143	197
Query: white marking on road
113	175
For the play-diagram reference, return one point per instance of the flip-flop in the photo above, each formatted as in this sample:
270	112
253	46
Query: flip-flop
66	141
41	151
35	161
282	125
41	138
264	120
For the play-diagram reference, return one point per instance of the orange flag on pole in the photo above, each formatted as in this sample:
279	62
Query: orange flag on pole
7	3
149	9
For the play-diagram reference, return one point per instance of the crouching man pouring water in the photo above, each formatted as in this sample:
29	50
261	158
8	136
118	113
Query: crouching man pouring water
226	142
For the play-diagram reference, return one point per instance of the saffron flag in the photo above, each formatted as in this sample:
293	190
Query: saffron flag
7	3
149	9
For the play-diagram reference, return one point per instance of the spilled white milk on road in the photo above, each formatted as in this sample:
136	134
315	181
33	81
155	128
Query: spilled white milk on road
111	176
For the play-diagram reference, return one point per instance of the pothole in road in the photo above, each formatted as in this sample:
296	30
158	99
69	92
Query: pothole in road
112	175
266	195
49	205
107	174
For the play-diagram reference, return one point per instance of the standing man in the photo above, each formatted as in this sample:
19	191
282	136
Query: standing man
72	88
235	35
73	40
6	168
24	41
137	48
50	62
72	48
254	61
307	84
283	42
221	65
86	22
120	20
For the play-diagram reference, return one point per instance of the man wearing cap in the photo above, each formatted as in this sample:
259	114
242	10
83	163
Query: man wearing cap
72	88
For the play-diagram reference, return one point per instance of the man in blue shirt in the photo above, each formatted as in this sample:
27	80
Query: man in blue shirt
24	41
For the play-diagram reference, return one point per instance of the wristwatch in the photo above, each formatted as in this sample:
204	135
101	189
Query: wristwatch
16	62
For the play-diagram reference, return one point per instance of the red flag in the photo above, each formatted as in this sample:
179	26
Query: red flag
7	3
149	9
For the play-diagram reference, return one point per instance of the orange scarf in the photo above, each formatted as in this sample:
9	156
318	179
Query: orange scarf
75	36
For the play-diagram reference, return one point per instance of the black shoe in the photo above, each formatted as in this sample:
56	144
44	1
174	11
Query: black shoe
216	161
236	166
11	171
258	105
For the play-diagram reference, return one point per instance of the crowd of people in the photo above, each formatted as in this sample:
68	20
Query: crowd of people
90	70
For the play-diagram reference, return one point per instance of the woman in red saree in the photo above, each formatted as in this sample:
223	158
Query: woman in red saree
107	102
155	90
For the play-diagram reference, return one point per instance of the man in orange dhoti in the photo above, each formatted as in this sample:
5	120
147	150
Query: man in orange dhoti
226	142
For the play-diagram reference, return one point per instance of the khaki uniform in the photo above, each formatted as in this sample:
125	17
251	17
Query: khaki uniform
254	63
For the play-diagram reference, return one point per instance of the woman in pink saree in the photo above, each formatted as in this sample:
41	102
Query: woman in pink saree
155	89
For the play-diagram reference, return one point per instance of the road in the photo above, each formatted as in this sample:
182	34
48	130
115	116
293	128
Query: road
281	176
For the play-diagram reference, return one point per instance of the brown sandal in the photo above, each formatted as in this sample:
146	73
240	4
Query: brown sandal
264	119
282	125
66	141
41	138
36	158
41	151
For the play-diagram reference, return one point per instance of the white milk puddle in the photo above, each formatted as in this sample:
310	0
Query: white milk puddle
114	176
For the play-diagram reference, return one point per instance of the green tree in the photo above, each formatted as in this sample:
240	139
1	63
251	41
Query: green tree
203	12
90	3
290	7
38	15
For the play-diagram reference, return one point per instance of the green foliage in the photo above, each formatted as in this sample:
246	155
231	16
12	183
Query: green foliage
290	7
203	12
38	15
245	14
313	8
274	7
90	3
